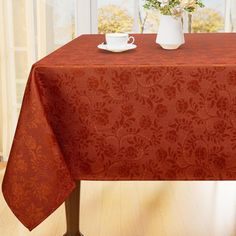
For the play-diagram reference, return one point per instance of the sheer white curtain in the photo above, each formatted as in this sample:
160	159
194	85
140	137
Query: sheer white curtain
29	30
8	86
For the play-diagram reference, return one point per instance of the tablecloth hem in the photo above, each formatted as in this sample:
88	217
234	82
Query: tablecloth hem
31	227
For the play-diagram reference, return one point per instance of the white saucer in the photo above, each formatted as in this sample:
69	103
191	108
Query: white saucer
123	49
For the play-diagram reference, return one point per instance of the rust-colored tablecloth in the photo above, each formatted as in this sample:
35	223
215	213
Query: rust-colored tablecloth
146	114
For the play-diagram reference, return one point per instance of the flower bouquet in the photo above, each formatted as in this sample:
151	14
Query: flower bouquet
173	7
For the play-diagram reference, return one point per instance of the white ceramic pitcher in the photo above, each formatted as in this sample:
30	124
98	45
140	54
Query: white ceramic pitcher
170	34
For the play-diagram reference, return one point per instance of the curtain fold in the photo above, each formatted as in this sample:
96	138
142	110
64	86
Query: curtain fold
8	89
29	30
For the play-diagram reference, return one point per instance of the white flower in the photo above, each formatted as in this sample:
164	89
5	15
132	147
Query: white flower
188	3
177	11
163	2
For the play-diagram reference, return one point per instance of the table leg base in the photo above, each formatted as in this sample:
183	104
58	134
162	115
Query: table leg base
71	234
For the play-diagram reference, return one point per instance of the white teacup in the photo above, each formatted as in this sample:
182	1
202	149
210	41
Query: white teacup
118	40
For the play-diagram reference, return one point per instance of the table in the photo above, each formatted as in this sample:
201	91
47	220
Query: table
146	114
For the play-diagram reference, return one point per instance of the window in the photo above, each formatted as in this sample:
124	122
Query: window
117	16
129	16
55	24
209	19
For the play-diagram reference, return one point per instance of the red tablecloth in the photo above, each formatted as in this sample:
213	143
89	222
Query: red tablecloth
146	114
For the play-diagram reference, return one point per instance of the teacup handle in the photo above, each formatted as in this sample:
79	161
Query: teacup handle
131	38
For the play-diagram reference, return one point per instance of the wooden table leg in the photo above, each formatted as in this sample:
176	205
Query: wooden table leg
72	205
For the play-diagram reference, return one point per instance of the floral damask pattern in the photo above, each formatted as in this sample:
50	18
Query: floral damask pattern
118	122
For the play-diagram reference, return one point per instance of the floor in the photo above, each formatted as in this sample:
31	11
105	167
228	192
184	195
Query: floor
142	209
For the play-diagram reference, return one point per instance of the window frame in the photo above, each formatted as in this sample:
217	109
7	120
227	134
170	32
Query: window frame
86	17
